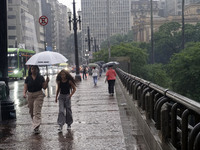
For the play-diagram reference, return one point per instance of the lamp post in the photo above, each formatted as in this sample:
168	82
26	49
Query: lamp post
88	39
183	25
152	36
87	55
75	20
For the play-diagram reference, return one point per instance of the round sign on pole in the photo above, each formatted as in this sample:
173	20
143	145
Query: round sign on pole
43	20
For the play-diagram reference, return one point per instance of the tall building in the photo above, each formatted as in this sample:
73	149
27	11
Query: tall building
57	29
103	18
23	30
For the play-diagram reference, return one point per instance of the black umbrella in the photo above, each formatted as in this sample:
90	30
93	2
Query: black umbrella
111	63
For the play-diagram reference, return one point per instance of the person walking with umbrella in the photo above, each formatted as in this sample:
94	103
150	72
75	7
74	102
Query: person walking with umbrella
66	87
33	86
110	77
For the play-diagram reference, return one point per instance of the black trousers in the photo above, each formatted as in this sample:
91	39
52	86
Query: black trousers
111	84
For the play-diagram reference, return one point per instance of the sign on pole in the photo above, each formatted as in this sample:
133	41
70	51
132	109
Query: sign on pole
43	20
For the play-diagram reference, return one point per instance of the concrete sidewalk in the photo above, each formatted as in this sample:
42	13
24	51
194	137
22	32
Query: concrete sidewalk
97	124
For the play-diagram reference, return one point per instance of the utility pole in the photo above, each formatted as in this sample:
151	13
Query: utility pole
152	38
88	38
183	25
75	20
3	42
108	28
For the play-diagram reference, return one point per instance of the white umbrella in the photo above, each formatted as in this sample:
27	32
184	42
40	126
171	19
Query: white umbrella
46	58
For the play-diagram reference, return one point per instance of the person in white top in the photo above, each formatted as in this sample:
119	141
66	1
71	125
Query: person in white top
95	73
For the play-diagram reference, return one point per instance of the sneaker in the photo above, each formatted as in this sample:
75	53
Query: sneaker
60	129
36	131
68	127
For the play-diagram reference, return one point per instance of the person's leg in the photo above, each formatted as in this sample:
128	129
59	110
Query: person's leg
30	104
37	108
109	86
61	114
69	118
96	80
112	84
83	75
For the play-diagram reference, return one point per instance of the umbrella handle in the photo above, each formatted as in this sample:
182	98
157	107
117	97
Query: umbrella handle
47	70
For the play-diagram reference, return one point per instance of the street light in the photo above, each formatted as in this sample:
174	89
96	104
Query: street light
75	20
87	56
89	39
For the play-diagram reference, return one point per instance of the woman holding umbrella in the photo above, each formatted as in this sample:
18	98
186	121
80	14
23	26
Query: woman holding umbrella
33	86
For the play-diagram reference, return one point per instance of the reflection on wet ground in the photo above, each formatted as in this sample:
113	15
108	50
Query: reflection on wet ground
97	124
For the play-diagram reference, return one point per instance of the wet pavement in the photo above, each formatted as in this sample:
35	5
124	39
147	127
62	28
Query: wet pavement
101	122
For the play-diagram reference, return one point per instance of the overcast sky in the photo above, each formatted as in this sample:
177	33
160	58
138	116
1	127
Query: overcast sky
69	4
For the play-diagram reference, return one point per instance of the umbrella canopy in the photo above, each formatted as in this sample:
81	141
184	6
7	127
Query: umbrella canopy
111	63
46	58
92	65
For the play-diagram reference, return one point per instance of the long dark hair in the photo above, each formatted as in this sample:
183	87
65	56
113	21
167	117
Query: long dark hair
29	70
68	76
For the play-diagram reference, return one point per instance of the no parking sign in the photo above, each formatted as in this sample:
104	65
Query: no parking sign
43	20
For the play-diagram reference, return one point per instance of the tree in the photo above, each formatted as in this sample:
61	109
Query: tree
184	70
156	73
167	42
137	55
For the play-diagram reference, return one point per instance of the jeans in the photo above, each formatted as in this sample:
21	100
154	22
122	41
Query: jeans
95	80
84	75
65	112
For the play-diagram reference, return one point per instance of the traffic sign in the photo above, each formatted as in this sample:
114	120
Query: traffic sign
43	20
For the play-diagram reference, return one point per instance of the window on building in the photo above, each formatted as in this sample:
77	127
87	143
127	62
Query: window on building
11	27
9	1
12	37
11	17
10	9
198	11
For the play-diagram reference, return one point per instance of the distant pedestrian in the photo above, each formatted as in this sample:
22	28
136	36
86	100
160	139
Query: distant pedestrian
100	71
95	73
33	86
110	77
66	87
84	73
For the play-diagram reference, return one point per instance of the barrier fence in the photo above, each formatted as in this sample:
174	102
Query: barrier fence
176	117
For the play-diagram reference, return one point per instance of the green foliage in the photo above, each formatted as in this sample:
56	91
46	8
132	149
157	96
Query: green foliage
137	55
156	73
167	42
117	39
184	70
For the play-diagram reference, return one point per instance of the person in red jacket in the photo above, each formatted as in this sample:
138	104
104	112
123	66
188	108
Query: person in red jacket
110	77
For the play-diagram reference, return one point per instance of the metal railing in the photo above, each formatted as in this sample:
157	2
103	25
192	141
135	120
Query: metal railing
176	117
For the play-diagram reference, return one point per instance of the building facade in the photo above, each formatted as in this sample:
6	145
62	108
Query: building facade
57	29
23	28
103	18
142	25
25	31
